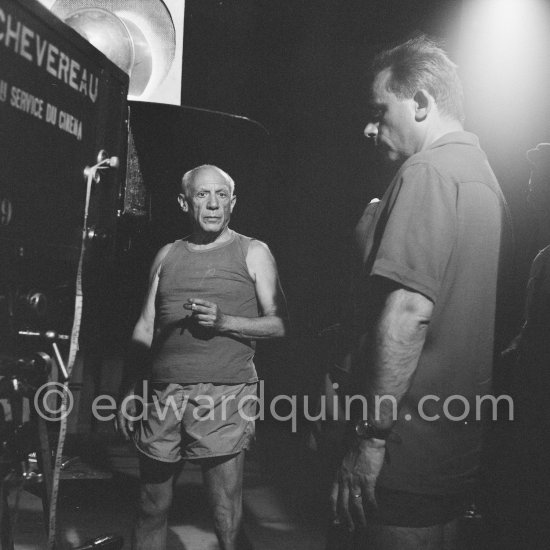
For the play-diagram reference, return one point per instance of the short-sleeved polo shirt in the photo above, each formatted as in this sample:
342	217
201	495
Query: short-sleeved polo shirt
437	231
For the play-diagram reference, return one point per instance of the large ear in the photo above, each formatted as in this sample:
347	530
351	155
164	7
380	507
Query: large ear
183	202
423	104
233	201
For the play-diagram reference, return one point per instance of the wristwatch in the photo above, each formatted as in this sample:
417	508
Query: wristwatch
365	430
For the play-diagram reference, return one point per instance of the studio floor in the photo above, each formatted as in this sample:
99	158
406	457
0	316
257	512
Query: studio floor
99	490
285	501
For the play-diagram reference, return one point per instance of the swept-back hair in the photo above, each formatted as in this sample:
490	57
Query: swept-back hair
187	178
420	63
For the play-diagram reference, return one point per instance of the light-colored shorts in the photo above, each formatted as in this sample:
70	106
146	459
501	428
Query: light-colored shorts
193	421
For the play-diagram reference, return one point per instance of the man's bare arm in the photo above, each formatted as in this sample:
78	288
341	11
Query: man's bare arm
399	337
273	320
137	356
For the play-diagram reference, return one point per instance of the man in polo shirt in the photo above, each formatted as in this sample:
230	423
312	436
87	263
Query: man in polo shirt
430	255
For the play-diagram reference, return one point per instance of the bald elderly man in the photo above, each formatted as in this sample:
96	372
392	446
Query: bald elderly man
211	295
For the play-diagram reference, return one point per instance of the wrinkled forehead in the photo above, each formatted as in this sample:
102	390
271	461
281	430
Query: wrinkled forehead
209	178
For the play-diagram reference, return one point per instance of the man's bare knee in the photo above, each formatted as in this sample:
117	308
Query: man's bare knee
227	508
227	515
155	500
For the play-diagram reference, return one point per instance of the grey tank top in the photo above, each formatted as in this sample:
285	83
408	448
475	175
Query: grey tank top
185	352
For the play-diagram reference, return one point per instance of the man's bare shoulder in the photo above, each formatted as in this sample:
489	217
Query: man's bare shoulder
258	251
159	257
259	260
256	245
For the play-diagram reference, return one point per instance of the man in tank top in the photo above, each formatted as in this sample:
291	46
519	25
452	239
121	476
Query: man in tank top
210	296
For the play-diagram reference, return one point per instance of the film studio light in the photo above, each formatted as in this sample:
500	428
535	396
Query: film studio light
145	39
107	33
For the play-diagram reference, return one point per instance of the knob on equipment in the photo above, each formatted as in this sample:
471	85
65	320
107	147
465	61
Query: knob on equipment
103	162
34	302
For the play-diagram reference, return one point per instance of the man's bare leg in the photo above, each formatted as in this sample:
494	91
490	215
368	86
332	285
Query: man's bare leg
156	490
223	480
151	524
